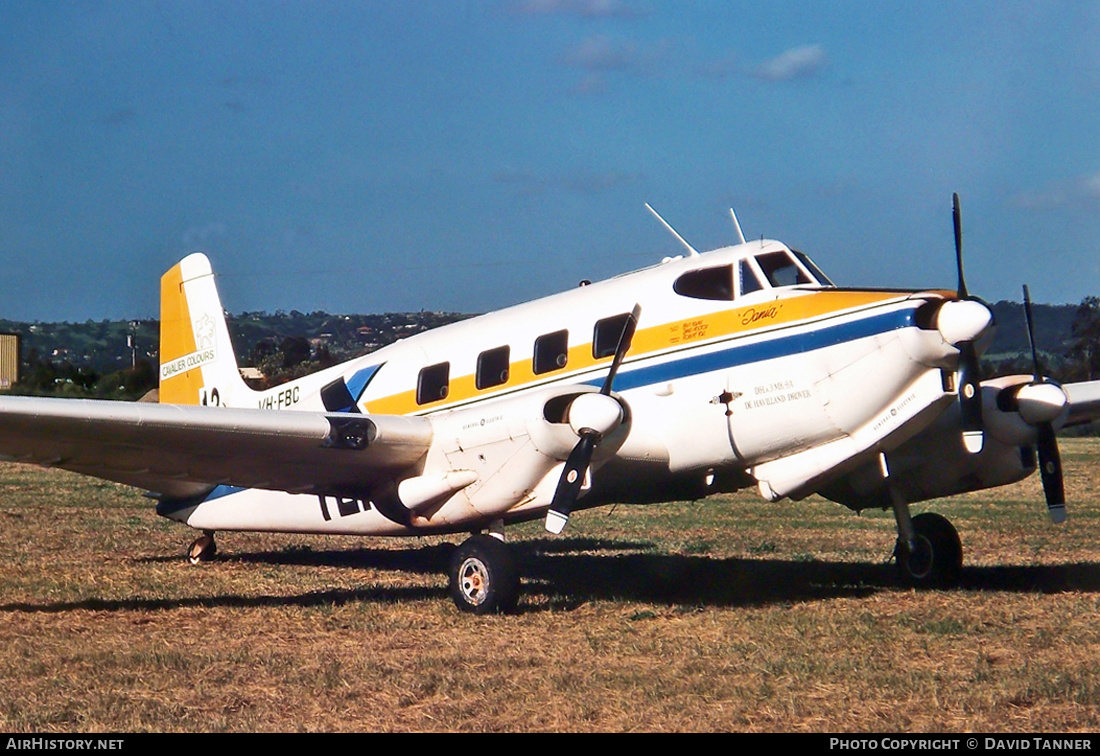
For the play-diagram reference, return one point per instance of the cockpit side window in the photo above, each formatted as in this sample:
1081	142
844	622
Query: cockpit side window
781	270
749	280
706	283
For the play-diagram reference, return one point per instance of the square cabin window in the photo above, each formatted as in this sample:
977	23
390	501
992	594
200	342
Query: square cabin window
492	368
433	383
606	335
551	352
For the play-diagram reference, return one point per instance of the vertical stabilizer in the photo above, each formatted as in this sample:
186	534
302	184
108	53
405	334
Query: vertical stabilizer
197	362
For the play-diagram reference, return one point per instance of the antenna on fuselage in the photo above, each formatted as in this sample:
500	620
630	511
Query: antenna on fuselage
737	226
671	230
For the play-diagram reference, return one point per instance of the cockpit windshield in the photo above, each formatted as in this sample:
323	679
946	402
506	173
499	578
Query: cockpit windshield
781	270
766	270
814	270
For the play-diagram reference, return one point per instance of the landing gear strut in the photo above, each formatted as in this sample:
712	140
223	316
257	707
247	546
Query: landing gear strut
203	548
483	576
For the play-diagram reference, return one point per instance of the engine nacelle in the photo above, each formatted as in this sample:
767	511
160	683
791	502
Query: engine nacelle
488	461
935	463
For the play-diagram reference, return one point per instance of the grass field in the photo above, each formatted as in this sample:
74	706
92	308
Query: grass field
729	614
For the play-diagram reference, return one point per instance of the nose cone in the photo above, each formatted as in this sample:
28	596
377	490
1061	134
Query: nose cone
964	320
1041	402
597	412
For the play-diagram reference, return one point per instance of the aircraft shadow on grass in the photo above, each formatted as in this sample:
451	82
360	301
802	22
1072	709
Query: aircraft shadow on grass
568	572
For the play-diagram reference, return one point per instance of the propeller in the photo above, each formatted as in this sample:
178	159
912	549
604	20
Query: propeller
592	416
1050	461
970	395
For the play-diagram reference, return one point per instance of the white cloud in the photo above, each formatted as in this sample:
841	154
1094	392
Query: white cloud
602	54
797	63
203	237
584	8
527	184
1075	192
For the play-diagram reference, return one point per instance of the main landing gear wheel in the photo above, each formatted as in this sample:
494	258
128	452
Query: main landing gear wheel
936	562
483	576
203	548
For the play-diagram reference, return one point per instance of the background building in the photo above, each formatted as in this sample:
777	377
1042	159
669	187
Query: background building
10	359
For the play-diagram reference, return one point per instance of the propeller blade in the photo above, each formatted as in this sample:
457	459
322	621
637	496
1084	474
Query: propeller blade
957	214
1050	461
1036	370
621	349
970	394
1050	470
569	485
576	465
970	399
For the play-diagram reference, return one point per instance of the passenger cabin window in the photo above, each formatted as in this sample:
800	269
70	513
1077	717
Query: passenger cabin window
606	335
551	352
706	283
781	270
433	383
492	367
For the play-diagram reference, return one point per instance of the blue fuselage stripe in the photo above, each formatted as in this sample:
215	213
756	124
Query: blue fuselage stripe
785	345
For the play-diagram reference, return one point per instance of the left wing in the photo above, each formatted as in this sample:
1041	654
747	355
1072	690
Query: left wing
179	451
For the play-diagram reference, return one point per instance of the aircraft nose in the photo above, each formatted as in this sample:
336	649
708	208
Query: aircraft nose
963	320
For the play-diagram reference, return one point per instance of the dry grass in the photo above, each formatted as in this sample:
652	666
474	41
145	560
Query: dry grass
730	614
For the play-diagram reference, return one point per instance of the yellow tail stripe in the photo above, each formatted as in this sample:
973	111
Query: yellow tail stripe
177	339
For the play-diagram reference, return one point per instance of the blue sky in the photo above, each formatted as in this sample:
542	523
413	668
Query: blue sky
362	156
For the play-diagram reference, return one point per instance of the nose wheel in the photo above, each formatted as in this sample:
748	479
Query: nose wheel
932	558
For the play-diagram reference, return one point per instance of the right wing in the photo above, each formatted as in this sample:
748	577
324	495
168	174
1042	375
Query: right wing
181	451
1084	401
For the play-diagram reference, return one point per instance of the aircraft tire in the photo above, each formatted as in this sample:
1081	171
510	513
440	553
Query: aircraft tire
483	576
202	549
937	560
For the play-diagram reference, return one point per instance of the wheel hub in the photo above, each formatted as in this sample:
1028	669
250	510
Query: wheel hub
474	579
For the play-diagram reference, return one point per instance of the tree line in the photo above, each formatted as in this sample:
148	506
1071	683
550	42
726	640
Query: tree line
118	359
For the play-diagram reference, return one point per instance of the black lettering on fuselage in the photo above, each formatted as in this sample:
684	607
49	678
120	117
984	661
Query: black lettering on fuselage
344	506
282	399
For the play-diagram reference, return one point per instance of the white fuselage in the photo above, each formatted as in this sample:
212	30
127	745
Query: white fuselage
737	375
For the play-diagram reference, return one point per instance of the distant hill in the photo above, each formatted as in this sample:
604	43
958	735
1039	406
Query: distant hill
1052	328
289	344
104	346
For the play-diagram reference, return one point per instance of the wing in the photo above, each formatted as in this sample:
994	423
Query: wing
181	451
1084	401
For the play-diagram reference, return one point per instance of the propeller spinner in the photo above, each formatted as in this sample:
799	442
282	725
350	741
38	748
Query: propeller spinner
592	417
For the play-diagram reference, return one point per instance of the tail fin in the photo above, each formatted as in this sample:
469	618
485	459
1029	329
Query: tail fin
197	362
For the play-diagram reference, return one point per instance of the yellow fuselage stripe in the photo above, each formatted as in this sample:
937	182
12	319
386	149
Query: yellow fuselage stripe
654	339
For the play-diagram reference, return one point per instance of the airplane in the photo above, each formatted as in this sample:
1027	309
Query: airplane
744	366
